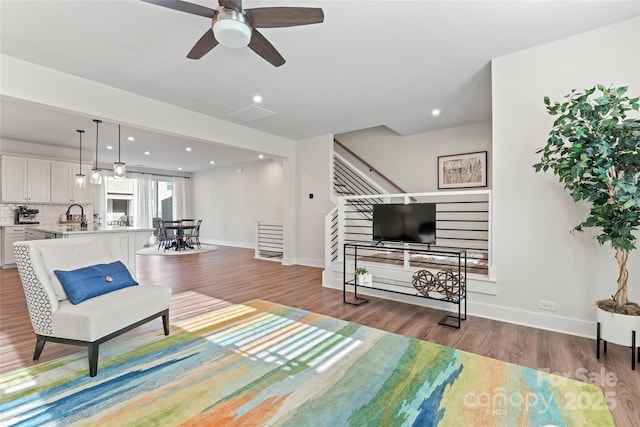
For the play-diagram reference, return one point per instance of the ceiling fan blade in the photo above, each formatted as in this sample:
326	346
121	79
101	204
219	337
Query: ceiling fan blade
231	4
273	17
183	6
260	45
203	46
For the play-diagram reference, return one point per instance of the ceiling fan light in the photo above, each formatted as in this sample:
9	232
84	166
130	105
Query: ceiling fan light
231	30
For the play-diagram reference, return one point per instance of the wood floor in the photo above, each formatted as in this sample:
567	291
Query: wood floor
231	274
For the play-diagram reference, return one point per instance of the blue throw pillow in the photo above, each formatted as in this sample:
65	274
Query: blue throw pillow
99	279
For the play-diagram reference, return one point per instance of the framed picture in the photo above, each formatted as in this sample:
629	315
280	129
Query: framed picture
462	170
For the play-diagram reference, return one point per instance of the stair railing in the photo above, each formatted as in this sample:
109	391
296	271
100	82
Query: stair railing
370	167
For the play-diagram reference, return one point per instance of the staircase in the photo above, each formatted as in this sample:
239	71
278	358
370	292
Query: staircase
347	180
462	221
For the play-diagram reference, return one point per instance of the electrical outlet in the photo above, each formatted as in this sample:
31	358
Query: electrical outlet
547	305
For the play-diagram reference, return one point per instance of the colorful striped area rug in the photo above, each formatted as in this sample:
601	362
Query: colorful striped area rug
259	364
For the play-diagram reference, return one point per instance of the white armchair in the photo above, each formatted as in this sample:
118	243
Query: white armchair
95	320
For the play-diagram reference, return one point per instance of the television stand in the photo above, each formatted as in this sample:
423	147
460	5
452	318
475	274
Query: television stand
447	285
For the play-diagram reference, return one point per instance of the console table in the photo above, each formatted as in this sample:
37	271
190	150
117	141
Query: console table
459	264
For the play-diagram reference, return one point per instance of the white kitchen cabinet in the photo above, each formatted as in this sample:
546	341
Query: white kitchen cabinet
9	235
25	180
63	189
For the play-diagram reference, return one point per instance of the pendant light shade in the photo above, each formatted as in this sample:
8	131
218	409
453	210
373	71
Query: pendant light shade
96	174
80	181
119	169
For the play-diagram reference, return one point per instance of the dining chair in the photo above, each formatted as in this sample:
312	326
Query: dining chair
157	231
194	236
171	235
161	234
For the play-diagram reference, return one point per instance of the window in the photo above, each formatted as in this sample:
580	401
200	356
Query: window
119	201
122	195
162	203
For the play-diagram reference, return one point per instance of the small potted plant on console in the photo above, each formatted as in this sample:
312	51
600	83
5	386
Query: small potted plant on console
363	277
594	149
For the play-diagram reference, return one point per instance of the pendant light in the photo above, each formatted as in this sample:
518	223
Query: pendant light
80	182
119	171
96	174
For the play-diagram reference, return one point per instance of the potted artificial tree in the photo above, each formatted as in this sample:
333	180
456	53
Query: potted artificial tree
594	149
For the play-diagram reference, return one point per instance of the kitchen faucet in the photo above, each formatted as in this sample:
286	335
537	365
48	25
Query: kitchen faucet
83	220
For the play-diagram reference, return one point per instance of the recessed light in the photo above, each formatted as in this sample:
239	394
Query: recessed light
212	162
188	149
261	156
147	153
435	112
109	147
257	99
130	138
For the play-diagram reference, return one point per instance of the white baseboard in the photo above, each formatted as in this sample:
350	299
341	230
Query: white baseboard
247	245
310	262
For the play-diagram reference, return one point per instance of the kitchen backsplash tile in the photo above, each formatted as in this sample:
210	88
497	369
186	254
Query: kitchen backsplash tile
49	214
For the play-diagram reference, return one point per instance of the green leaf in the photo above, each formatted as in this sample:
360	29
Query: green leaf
621	90
591	134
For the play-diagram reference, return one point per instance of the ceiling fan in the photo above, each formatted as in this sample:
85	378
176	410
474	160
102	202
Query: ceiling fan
233	26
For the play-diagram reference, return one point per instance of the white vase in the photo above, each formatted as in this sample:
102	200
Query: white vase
616	327
365	279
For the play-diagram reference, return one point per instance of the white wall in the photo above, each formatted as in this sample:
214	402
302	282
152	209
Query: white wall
313	176
412	161
231	202
535	255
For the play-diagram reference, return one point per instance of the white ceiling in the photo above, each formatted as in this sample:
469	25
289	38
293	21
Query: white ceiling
371	63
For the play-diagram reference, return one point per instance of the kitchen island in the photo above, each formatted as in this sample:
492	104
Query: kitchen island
58	231
128	239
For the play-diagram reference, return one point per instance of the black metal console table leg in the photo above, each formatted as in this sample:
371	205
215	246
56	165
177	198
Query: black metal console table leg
445	321
456	321
356	299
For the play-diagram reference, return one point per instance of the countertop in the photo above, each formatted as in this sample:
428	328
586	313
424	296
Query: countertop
68	229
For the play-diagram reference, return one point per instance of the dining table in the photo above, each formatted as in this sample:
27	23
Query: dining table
180	226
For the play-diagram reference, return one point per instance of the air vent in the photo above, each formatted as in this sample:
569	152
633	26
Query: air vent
250	113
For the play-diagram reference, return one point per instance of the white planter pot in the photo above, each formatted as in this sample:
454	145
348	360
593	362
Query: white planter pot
365	279
616	328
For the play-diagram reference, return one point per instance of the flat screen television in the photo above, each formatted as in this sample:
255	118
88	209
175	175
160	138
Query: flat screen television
410	223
